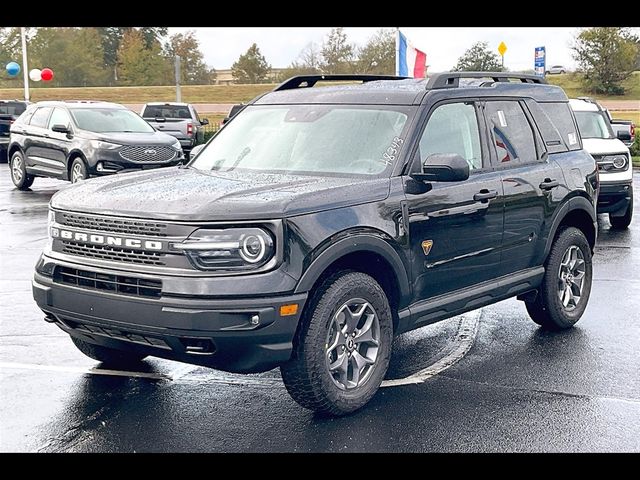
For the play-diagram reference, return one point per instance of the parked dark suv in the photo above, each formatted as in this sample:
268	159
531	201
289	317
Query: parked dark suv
320	222
10	110
74	140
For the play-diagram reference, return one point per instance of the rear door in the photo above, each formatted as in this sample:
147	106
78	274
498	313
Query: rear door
36	140
533	185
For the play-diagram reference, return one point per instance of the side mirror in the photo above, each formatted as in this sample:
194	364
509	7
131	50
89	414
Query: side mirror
204	121
624	136
59	128
444	167
196	150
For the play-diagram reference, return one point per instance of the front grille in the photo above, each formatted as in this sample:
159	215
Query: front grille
104	252
116	333
110	283
114	225
148	153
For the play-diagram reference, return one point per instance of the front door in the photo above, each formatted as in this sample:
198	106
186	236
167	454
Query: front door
455	229
533	184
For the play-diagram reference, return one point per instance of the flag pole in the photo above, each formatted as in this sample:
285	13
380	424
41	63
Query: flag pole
397	51
25	68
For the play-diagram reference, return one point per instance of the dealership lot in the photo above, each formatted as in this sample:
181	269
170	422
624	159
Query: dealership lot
486	381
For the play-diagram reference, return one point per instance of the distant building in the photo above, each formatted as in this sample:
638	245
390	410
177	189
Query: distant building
224	77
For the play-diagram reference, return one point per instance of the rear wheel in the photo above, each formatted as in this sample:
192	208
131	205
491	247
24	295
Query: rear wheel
566	286
106	355
623	221
78	170
19	176
341	352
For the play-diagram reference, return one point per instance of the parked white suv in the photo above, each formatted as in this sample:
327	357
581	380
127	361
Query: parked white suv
613	158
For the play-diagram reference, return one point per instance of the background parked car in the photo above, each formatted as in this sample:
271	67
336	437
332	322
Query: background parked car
179	120
556	69
74	140
233	112
10	110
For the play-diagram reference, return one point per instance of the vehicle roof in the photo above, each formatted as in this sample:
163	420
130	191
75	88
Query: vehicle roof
79	104
407	92
173	104
579	105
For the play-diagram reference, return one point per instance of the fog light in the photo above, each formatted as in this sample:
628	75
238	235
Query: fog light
255	319
100	168
288	310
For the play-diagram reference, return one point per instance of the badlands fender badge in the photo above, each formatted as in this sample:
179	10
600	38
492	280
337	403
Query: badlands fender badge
426	246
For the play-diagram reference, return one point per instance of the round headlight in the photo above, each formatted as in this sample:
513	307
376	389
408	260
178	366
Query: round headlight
619	161
252	248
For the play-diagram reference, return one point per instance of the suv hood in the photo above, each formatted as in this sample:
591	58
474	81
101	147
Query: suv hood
187	194
604	146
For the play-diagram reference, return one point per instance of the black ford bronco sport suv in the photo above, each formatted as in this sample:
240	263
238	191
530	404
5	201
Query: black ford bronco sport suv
320	222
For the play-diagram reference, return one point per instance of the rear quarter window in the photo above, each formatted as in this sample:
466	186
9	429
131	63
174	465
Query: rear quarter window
561	116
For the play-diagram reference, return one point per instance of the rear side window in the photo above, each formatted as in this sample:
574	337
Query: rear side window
562	117
12	108
166	111
511	133
40	117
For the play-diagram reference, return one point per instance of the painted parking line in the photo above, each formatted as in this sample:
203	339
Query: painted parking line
458	348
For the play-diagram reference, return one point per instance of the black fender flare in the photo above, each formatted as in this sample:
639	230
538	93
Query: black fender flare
574	203
352	244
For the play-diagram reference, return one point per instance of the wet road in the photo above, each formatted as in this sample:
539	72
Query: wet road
514	388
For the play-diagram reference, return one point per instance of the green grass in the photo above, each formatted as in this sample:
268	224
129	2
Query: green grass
571	84
633	115
636	161
241	93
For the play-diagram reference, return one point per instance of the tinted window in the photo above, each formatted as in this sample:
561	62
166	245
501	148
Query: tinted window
511	132
453	128
12	108
593	125
329	139
40	117
166	111
561	117
59	117
102	120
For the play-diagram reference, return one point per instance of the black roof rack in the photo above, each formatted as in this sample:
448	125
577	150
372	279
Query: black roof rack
452	79
306	81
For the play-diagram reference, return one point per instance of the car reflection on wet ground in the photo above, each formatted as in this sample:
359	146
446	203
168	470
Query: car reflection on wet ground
487	381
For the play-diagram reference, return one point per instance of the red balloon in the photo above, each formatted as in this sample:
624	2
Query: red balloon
47	74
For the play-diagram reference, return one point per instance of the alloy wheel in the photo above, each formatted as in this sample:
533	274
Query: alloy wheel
571	277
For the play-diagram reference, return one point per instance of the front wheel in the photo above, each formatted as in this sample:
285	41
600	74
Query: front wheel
108	356
78	170
341	351
19	176
566	286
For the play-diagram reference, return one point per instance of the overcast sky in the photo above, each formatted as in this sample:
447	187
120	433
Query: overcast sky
443	45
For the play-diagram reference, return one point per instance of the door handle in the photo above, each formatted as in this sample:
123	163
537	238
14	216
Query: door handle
485	195
549	183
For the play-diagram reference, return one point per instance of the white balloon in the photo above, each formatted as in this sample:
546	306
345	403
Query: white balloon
35	75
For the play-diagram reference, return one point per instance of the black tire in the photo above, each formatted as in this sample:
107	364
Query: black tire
78	170
108	356
548	309
307	376
19	176
625	220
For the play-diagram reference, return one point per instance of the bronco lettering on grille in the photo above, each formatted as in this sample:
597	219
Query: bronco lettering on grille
97	239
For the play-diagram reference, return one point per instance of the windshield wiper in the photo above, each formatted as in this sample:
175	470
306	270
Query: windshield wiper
246	151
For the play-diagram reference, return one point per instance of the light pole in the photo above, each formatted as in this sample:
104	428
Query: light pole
25	68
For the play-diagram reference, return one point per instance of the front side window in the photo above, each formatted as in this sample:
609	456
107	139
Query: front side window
40	117
311	139
593	125
59	117
109	120
453	128
511	132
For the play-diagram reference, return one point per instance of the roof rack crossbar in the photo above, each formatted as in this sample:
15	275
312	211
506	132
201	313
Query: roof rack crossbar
307	81
452	79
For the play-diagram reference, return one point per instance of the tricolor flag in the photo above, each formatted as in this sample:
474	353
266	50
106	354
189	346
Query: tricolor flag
410	61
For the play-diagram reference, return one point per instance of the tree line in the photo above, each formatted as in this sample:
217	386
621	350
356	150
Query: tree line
107	56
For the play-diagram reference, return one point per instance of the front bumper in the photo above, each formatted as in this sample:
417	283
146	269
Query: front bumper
217	333
615	197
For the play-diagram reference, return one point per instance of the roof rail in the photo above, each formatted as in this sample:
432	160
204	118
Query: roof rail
306	81
452	79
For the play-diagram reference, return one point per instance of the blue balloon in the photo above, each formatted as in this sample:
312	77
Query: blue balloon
13	69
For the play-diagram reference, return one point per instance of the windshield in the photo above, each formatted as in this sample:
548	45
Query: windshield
107	120
592	125
326	139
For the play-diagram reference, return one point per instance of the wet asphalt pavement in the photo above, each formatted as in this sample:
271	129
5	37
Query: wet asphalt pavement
514	388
